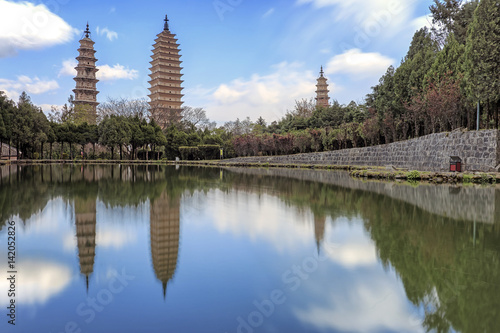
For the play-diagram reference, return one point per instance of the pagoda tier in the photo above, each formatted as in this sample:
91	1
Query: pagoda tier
322	99
167	61
166	84
86	81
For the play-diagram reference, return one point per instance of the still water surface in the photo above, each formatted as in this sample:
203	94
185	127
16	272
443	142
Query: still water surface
166	249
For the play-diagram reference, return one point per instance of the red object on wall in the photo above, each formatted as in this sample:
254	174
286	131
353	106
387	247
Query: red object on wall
455	164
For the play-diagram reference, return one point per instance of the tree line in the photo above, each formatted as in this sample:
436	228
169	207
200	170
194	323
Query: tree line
124	127
447	70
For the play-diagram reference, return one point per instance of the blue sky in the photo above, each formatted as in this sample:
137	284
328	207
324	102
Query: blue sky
240	57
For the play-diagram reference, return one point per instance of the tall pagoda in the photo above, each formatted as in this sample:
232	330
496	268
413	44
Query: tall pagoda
166	90
164	230
86	81
322	99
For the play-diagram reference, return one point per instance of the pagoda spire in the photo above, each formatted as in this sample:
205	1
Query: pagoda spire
166	24
87	31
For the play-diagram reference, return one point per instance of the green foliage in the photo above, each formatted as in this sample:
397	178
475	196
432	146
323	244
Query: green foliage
201	152
448	62
209	152
189	153
485	179
482	68
467	179
413	175
113	131
452	17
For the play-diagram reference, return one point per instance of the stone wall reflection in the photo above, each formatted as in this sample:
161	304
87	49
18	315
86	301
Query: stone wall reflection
470	203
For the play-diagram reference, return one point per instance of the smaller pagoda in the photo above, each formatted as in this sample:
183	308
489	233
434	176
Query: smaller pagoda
85	102
322	99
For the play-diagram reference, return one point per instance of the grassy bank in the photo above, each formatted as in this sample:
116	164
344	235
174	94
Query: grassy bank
387	173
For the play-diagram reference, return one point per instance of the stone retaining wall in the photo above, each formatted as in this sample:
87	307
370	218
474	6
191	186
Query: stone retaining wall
479	151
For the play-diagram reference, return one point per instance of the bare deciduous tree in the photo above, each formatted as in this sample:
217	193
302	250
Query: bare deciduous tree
123	107
303	108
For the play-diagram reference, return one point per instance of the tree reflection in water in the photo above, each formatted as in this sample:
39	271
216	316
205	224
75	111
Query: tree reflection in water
450	266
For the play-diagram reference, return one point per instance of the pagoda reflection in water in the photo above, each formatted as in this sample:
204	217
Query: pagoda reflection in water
319	230
164	230
85	220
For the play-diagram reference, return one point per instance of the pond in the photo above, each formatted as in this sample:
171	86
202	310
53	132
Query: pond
121	248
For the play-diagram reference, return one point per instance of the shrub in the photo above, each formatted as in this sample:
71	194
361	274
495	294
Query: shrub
189	153
209	152
413	175
467	179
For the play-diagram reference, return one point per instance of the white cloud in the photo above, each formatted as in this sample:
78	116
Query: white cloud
352	254
361	8
48	107
35	86
268	13
117	72
105	73
25	26
348	246
40	281
358	64
375	303
260	218
368	21
111	35
107	236
68	68
115	237
269	96
423	21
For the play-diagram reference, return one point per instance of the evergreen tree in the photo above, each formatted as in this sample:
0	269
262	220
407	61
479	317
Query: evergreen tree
22	124
482	67
114	131
448	62
5	106
452	17
137	136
